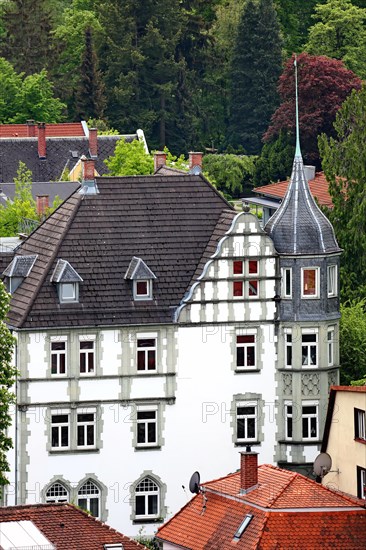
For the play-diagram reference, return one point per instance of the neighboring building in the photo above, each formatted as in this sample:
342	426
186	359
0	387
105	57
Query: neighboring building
154	323
269	197
264	508
345	439
58	527
43	193
53	151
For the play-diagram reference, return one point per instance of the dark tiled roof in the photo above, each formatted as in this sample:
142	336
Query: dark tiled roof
326	519
20	266
62	189
67	527
298	226
59	156
139	270
171	223
65	273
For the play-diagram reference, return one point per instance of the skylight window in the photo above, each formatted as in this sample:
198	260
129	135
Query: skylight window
248	518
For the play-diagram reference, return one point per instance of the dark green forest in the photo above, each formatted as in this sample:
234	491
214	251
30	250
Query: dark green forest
193	74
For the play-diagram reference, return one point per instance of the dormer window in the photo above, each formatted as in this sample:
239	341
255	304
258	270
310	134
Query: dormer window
19	268
67	281
142	279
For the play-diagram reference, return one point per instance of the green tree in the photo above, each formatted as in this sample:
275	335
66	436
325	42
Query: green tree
27	43
7	380
344	162
23	205
231	174
10	83
275	161
90	100
340	33
352	341
36	100
256	67
130	159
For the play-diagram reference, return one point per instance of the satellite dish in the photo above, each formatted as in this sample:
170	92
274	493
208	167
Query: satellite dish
194	483
322	464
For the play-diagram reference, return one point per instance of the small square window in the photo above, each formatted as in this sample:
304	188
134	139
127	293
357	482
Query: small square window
238	289
253	288
69	292
142	289
238	267
253	267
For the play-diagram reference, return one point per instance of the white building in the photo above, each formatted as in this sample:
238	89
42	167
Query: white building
157	327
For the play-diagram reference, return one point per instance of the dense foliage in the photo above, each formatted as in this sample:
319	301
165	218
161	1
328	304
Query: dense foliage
352	341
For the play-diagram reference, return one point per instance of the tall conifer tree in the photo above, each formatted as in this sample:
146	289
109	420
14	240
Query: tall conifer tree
256	67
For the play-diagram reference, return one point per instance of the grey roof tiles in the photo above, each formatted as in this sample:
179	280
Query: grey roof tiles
298	227
172	223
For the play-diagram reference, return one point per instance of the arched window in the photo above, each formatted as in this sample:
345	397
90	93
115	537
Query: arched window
57	493
89	498
147	499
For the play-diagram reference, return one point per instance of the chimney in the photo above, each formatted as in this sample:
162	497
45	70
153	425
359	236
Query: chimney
93	142
88	169
195	161
31	128
309	172
248	470
42	140
159	160
42	203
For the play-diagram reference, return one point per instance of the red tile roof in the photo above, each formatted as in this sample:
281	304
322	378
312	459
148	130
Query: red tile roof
68	527
318	188
361	389
66	129
289	512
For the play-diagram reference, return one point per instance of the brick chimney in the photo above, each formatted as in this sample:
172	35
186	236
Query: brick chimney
159	159
42	140
195	160
42	203
93	142
31	128
88	169
248	470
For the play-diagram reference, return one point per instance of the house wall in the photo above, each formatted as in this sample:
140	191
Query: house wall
346	453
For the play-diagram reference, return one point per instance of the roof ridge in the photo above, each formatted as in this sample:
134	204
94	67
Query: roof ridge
54	253
276	497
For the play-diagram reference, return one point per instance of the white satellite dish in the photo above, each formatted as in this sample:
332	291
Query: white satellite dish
322	464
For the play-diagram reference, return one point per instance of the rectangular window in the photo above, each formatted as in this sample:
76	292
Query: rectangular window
253	267
238	267
309	348
360	424
332	280
288	420
60	430
288	337
146	354
146	428
58	358
238	289
69	292
85	429
310	421
253	288
246	422
86	355
142	289
247	287
245	351
361	482
310	282
287	282
330	345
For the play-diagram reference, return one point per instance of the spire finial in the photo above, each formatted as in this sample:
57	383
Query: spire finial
297	150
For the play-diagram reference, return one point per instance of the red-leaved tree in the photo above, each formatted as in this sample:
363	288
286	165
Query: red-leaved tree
324	84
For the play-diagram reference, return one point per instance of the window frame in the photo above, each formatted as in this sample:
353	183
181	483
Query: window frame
289	420
136	295
330	346
146	422
146	350
332	280
54	353
87	339
58	426
68	300
288	344
310	417
57	498
286	271
145	495
360	424
246	346
246	418
316	294
90	496
86	424
245	284
309	345
361	482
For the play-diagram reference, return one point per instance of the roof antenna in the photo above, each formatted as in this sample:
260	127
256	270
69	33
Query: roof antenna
297	150
195	487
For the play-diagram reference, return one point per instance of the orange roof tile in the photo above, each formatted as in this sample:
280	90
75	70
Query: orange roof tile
318	187
289	512
66	129
68	527
361	389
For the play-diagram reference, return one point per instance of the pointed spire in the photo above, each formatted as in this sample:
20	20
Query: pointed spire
297	150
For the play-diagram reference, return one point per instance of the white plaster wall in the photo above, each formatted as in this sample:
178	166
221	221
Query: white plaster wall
92	390
143	386
48	391
111	356
37	365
